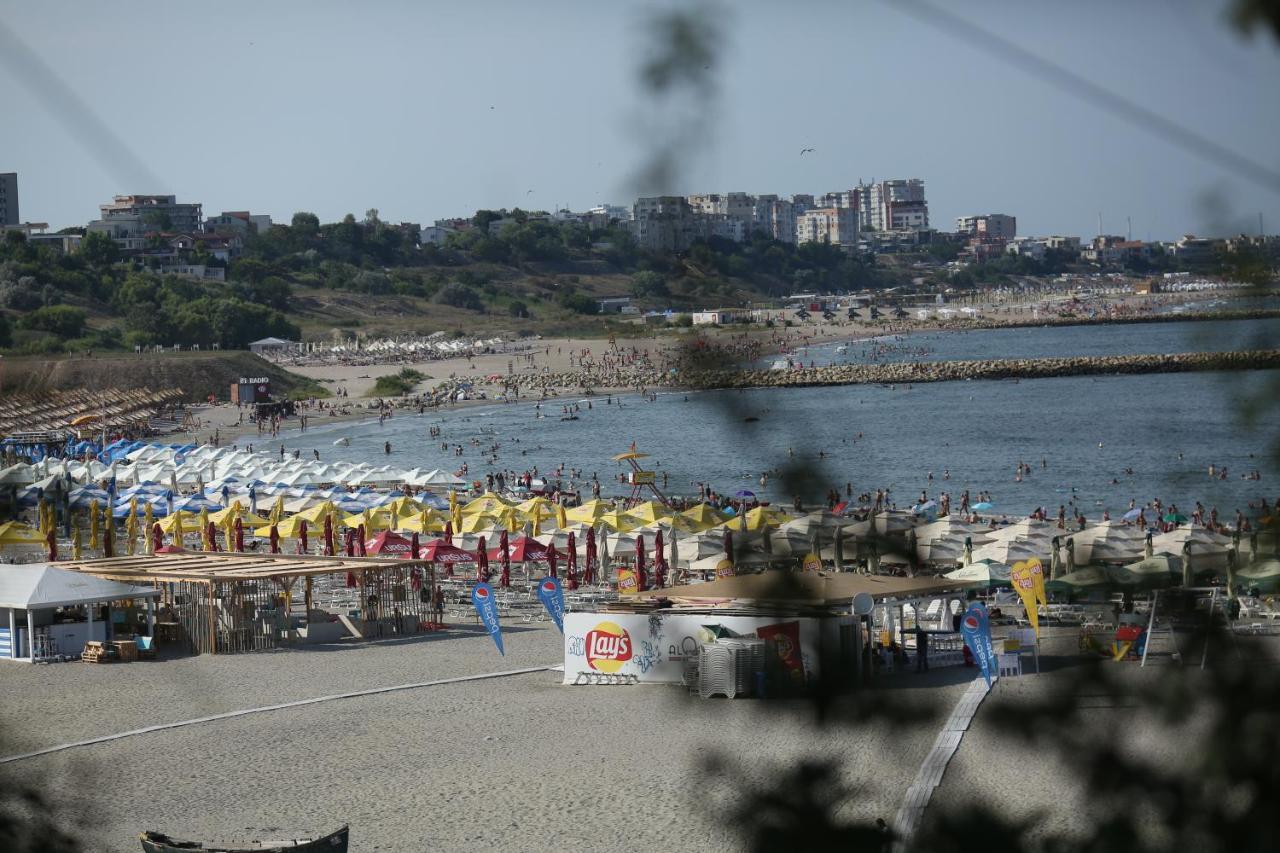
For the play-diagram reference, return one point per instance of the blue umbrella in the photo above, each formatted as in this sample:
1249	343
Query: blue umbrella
983	505
1132	515
744	493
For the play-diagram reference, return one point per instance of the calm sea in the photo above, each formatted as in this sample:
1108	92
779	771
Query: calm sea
1080	435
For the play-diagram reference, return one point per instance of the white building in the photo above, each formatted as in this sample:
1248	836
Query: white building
894	205
994	225
835	225
434	234
239	221
129	218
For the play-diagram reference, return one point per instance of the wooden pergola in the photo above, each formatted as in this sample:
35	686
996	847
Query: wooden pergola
221	602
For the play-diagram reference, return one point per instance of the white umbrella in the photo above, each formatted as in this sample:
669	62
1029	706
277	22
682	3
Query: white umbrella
1011	551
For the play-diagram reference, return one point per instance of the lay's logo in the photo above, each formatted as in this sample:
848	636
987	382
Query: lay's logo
608	647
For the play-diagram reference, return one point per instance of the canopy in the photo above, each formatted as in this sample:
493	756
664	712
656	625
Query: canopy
388	544
650	511
40	586
489	502
981	574
437	551
811	587
17	533
590	512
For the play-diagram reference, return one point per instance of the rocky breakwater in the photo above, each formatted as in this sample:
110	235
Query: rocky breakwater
951	371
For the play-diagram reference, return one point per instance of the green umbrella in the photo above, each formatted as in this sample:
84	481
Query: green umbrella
1264	575
983	574
1175	518
1156	572
1081	580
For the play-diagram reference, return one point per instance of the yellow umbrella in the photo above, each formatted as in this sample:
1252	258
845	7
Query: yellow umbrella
703	516
228	515
479	521
488	502
130	528
403	507
756	519
277	510
75	541
590	512
178	527
17	533
204	523
427	521
171	523
42	515
93	525
650	511
147	521
315	514
375	519
290	528
620	521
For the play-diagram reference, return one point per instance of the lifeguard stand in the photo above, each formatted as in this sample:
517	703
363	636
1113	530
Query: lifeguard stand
639	478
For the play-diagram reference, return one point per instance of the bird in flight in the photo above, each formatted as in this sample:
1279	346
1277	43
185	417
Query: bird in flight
529	193
804	151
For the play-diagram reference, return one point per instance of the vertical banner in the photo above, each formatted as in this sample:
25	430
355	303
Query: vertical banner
627	584
487	608
552	598
1037	577
1024	583
976	630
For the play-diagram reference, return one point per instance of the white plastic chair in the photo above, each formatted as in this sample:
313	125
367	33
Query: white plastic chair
1009	664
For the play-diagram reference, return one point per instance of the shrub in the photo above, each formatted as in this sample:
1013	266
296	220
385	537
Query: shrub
459	296
61	320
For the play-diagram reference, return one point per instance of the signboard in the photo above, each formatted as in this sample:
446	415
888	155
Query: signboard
552	598
811	563
627	583
724	568
641	478
653	647
487	609
976	631
1025	586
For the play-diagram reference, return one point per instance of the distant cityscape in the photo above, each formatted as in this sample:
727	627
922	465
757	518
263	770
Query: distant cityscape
879	217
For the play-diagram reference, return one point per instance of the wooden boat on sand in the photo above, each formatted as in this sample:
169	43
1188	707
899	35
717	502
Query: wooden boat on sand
334	842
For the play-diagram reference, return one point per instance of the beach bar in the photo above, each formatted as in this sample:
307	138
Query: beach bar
225	602
810	625
47	612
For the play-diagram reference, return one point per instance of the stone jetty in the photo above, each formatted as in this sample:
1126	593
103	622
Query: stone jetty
585	382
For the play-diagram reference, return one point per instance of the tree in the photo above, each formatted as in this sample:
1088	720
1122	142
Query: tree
518	309
99	250
62	320
459	296
6	332
648	284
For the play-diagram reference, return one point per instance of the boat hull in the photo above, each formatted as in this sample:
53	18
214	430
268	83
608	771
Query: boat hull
334	842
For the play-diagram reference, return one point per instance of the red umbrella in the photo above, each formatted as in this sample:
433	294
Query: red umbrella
659	562
482	562
440	551
239	534
571	562
728	545
108	538
448	533
589	571
551	562
157	537
351	542
523	549
51	540
360	541
642	581
211	533
302	537
504	546
389	544
328	536
413	546
275	540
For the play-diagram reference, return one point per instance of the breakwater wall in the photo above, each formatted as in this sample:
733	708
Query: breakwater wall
1000	321
952	371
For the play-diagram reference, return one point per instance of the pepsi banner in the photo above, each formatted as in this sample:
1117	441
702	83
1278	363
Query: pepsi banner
487	609
976	630
552	598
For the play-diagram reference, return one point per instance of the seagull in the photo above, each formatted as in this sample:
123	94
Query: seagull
804	151
529	193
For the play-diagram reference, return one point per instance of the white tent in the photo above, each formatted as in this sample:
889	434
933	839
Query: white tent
39	587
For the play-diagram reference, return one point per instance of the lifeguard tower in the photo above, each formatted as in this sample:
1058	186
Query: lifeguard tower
638	478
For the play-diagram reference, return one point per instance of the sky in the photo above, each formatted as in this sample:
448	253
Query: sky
427	110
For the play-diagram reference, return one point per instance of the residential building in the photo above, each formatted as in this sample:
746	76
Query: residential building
835	225
802	202
128	219
777	218
663	223
435	235
614	304
1027	248
1109	249
238	221
994	225
1197	250
894	205
9	198
1068	244
611	212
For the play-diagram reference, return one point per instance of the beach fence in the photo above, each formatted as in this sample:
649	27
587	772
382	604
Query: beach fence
227	602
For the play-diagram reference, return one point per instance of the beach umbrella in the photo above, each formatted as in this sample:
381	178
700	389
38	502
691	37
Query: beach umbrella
274	536
838	556
93	525
108	540
504	546
239	525
277	510
328	537
562	518
1263	575
1132	515
744	493
448	532
728	545
413	548
482	561
589	566
1174	518
659	562
571	562
211	537
17	533
360	545
51	544
148	522
606	570
982	574
157	536
350	542
1081	580
75	542
1155	572
551	562
982	506
130	533
642	580
302	537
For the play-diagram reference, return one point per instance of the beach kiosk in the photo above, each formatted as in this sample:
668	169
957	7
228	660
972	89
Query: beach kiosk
41	607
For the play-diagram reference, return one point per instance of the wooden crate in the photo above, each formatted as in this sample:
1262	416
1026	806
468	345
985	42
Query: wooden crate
127	649
94	652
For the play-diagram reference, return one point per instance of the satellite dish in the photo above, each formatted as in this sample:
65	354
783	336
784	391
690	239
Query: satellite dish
863	604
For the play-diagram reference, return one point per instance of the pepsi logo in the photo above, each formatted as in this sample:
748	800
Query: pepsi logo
548	586
971	622
481	592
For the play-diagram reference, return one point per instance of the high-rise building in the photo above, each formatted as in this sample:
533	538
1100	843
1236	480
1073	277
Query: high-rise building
988	225
835	225
894	205
9	198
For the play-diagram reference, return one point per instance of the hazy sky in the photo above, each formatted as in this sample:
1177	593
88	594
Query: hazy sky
425	110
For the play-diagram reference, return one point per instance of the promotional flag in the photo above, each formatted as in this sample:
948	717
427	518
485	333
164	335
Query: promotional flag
627	582
1024	584
552	598
1037	577
976	630
487	609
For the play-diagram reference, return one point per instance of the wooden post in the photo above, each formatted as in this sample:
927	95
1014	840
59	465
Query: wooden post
306	595
213	621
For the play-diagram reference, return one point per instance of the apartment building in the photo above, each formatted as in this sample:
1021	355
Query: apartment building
835	225
9	198
129	218
993	225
